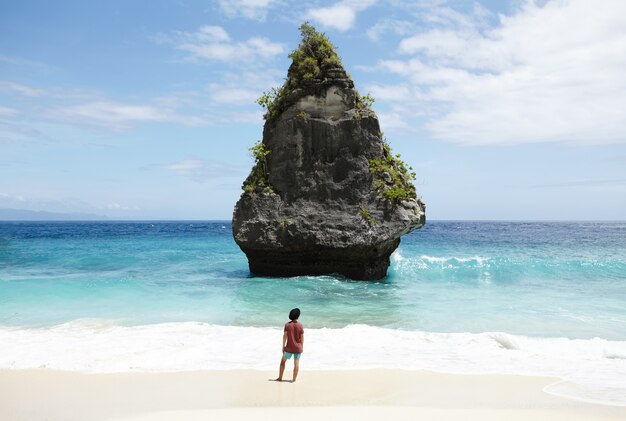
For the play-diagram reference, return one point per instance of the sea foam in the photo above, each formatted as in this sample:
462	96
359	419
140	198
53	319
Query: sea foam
591	369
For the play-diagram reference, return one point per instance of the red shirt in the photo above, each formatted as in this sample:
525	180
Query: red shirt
294	330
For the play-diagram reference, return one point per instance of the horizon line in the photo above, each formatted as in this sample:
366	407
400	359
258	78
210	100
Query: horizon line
229	221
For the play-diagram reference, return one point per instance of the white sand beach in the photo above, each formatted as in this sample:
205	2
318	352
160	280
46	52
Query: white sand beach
41	394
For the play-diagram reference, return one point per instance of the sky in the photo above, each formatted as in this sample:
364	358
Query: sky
507	110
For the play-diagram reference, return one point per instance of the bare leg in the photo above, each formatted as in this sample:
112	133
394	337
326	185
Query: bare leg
296	368
282	369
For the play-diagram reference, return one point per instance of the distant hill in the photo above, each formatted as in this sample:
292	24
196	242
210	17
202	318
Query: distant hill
29	215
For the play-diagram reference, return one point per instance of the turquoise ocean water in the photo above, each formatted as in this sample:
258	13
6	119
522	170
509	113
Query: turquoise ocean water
537	279
527	284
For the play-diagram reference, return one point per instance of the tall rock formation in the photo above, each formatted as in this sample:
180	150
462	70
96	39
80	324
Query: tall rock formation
325	194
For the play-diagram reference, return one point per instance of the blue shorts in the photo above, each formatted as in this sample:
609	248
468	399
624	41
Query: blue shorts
287	356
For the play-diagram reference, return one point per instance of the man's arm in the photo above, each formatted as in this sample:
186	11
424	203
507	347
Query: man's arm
284	343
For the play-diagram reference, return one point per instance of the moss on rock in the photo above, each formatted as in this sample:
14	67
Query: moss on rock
312	61
258	179
392	177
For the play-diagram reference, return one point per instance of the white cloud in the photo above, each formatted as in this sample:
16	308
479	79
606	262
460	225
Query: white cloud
108	113
264	47
214	43
552	73
340	16
116	115
17	61
392	121
251	9
117	207
447	16
202	170
243	89
251	117
209	33
190	108
13	131
74	106
399	27
393	93
7	112
221	94
48	203
186	166
19	89
11	198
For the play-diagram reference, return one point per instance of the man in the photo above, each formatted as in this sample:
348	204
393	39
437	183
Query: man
292	344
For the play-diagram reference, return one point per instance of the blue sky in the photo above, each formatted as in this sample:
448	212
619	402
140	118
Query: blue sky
145	109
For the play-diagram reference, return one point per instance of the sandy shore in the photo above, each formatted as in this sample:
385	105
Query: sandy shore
28	395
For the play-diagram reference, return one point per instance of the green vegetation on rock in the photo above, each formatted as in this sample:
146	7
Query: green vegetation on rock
314	54
367	216
392	177
270	100
364	102
258	180
363	105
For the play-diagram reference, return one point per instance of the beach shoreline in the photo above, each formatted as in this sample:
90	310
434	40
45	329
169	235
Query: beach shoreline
35	394
592	370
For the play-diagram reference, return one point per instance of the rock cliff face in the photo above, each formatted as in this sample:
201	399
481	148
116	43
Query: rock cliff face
325	195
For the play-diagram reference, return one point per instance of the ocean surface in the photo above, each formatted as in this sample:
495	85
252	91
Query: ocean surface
535	298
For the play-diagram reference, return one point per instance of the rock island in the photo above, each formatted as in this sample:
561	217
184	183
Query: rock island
326	194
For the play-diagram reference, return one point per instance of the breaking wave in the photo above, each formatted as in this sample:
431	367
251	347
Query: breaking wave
593	369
